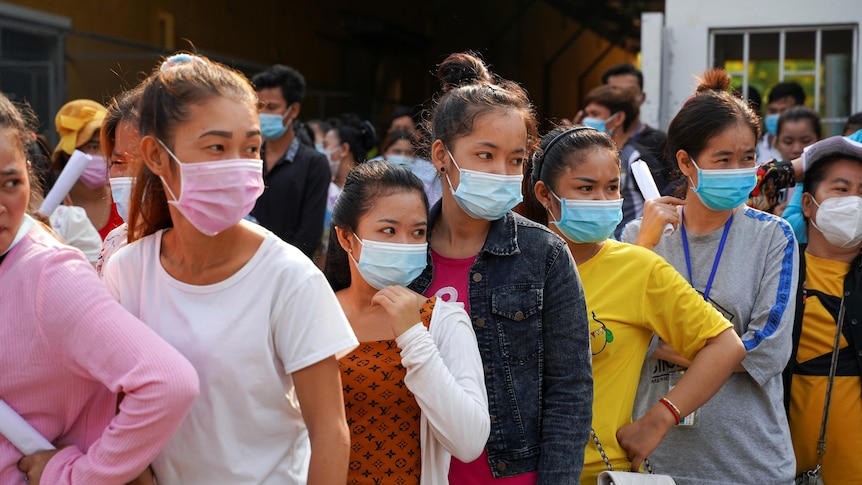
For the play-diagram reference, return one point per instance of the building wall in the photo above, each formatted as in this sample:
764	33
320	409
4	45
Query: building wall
365	58
688	24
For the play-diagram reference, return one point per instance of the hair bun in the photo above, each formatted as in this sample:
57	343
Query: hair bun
462	68
715	79
369	134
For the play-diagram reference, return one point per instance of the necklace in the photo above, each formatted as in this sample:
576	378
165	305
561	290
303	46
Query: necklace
596	248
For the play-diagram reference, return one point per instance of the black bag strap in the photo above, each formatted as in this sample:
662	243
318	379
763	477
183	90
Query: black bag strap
797	329
821	442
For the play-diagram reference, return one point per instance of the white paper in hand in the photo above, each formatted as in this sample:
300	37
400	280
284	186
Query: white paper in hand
647	186
70	174
20	433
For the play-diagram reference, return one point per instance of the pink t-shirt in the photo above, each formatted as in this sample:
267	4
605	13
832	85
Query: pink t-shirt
450	279
450	283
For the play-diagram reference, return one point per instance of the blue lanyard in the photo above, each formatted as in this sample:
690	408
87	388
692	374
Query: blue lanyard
717	254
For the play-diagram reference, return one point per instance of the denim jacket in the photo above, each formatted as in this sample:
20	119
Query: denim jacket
528	311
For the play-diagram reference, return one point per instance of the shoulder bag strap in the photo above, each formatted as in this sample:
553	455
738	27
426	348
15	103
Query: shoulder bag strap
595	438
821	443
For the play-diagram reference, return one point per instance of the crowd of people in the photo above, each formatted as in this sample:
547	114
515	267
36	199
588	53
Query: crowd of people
228	294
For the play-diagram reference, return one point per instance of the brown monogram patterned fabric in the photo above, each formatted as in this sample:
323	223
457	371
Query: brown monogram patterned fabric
382	414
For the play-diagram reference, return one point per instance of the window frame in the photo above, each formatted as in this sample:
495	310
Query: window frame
782	72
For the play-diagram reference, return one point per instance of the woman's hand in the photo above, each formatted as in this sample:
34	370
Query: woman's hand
402	306
665	352
658	213
33	465
642	437
779	209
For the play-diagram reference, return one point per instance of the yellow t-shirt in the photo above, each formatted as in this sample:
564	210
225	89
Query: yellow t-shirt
632	293
841	463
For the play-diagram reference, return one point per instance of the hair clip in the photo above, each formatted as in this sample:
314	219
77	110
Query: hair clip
367	127
178	59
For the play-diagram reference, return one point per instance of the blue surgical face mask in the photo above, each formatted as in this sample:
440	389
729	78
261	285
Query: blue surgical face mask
588	221
272	126
319	148
486	195
402	160
383	264
121	191
724	189
771	122
598	123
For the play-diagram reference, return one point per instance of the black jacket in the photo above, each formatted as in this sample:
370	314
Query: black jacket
293	203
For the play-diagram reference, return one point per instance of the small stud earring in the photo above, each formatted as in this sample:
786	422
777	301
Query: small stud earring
442	169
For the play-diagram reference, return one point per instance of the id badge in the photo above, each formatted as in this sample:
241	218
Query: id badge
673	379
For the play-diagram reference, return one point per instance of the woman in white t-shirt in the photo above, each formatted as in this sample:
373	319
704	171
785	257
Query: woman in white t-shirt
254	316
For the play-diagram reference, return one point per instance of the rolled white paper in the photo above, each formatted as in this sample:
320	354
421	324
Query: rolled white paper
70	174
20	433
646	183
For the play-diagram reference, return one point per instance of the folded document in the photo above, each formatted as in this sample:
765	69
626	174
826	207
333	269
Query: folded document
20	433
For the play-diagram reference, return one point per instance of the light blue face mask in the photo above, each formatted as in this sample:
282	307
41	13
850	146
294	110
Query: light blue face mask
724	189
598	123
402	160
771	122
486	195
272	126
121	192
319	148
383	264
588	221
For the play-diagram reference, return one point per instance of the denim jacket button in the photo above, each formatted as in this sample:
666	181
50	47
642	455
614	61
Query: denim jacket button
477	277
519	315
480	322
501	466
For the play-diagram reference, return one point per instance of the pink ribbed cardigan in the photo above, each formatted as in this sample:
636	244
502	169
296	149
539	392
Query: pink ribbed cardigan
66	349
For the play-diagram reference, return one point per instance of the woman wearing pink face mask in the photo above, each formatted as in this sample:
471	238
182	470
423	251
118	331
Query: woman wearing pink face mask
253	314
78	123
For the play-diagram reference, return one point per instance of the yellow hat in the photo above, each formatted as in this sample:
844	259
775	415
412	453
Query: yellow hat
76	122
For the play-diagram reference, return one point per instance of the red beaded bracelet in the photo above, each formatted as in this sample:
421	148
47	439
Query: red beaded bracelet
671	407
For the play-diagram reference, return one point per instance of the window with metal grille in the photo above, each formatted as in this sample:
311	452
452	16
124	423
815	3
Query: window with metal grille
819	58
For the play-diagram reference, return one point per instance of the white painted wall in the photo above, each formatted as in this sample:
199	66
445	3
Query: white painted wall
687	24
652	33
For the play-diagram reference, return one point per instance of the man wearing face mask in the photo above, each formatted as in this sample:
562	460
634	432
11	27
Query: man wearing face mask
614	110
626	75
832	206
782	97
296	175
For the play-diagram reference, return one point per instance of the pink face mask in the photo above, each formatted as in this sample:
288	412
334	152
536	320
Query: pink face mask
216	195
95	175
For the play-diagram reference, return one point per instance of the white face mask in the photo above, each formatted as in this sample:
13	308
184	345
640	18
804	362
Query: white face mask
333	164
839	219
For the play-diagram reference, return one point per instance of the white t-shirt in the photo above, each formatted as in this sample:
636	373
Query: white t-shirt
766	151
245	336
114	241
71	223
